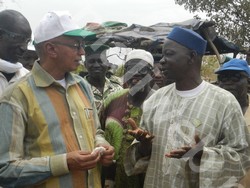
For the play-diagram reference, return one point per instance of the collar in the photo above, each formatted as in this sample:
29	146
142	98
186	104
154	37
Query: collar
44	79
192	92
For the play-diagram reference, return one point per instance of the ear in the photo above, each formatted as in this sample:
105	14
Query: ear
193	53
50	49
193	57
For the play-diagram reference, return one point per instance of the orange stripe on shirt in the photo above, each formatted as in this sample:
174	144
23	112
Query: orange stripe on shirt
61	107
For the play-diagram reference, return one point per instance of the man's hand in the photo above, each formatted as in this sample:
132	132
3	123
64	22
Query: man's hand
194	151
145	138
139	134
107	156
81	160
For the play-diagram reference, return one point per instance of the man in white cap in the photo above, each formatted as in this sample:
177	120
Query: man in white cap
193	133
49	124
122	105
15	34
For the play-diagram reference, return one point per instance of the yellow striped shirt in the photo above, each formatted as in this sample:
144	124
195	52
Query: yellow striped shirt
41	121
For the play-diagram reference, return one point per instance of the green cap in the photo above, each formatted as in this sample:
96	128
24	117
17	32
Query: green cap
88	35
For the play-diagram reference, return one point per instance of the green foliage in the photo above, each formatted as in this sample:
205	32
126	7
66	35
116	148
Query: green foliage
231	17
209	65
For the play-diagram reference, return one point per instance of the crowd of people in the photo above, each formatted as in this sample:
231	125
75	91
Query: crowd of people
163	126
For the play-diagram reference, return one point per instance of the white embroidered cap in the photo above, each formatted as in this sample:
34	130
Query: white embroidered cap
140	54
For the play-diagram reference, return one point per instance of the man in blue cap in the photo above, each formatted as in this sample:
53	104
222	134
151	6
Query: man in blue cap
190	130
233	76
49	124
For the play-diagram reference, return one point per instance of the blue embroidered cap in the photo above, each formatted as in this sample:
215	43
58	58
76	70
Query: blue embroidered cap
188	38
235	65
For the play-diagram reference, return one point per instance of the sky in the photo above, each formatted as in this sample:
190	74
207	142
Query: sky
143	12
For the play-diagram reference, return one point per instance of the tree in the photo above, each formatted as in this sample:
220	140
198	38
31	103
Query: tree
232	17
209	65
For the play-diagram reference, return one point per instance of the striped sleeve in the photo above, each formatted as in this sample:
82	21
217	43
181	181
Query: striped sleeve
12	165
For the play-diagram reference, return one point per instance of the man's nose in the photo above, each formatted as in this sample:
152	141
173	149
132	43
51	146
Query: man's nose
96	63
163	61
81	51
23	47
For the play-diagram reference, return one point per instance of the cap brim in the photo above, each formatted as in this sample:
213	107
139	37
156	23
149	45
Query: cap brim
88	35
229	68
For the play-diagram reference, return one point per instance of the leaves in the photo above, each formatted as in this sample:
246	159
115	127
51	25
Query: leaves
209	65
231	17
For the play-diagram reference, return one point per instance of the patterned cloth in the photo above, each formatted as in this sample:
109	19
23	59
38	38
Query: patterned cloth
109	87
113	118
174	118
41	121
247	115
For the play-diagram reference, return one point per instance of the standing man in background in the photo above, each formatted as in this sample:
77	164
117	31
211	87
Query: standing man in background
159	78
233	77
121	106
49	124
97	65
29	57
15	34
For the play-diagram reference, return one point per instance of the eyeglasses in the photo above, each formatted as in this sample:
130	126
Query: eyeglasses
15	36
231	77
77	46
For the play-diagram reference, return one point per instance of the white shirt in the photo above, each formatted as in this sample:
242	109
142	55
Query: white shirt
174	117
4	82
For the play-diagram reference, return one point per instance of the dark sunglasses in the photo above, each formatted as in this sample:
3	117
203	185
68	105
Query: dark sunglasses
15	36
234	77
